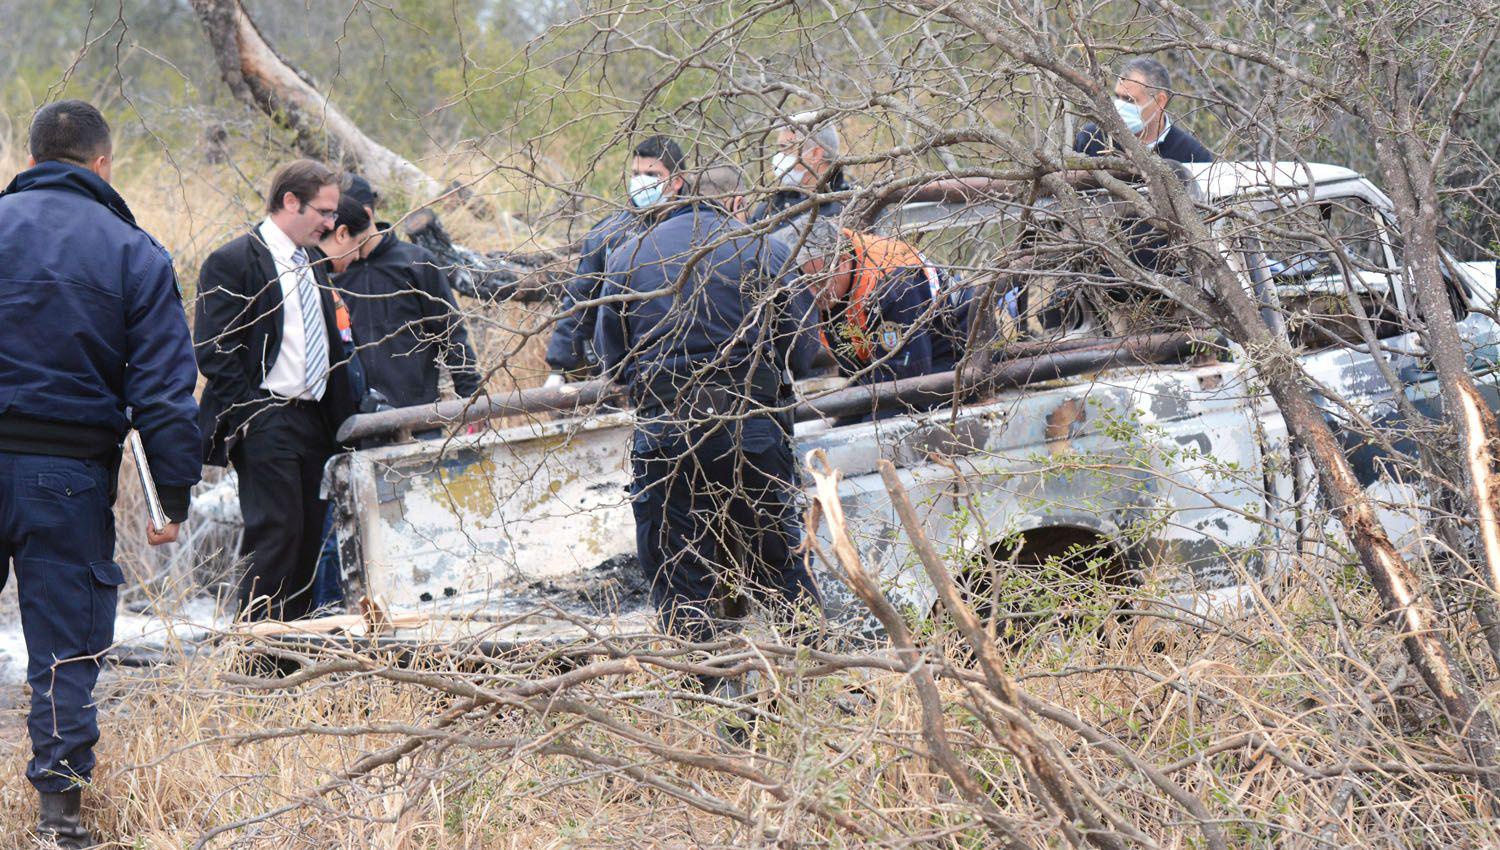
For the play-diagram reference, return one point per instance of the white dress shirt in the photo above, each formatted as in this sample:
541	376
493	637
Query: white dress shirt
288	375
1166	127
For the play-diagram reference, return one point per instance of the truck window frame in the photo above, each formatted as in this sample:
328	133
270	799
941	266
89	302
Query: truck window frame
1375	208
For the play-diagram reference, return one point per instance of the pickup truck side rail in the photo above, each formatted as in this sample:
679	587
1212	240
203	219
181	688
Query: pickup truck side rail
1022	364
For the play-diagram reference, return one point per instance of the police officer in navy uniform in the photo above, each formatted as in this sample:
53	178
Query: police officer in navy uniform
570	351
887	313
95	343
705	326
273	340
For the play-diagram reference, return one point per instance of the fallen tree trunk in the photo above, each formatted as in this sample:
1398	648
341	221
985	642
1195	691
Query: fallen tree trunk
258	76
525	276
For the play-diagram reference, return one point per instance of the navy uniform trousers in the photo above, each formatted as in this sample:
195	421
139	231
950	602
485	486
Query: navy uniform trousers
57	528
714	521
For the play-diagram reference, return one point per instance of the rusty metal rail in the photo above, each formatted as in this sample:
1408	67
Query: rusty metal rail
567	398
1074	358
1039	362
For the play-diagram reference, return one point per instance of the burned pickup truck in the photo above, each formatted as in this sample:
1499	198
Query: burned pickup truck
1148	453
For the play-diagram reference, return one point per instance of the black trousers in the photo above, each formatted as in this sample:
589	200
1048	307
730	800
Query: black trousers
280	467
715	522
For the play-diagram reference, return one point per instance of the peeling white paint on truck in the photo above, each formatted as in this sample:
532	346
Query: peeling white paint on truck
1184	470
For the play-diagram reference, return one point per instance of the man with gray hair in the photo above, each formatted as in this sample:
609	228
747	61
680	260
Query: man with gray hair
723	185
1141	96
803	167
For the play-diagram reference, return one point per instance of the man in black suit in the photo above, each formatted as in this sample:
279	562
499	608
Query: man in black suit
1141	96
272	339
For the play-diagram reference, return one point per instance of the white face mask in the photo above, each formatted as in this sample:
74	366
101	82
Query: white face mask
785	167
645	190
1131	115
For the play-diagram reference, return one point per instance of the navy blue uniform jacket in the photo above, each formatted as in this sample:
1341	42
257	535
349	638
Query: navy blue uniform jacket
566	350
911	328
94	337
1178	144
737	312
787	198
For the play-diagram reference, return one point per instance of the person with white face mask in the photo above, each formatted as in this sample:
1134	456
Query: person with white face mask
654	178
1141	96
803	166
706	347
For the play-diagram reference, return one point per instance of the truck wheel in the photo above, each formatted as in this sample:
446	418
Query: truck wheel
1048	585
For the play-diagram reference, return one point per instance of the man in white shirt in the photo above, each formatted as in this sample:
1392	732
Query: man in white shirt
273	344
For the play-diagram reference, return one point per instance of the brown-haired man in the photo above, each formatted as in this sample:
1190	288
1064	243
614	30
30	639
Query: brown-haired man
269	341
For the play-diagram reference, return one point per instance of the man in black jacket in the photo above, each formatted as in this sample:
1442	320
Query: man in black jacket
1141	96
404	313
271	336
95	343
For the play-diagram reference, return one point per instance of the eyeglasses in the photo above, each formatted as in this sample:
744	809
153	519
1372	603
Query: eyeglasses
326	215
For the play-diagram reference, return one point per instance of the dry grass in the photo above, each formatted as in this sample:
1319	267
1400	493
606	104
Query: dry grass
1296	726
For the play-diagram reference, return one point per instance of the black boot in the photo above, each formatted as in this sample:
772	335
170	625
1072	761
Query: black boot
62	820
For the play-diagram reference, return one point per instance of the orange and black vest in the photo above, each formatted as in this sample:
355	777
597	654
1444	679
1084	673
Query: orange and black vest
876	258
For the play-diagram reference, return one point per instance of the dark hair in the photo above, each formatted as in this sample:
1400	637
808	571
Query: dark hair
352	215
1150	72
662	148
69	130
303	178
360	189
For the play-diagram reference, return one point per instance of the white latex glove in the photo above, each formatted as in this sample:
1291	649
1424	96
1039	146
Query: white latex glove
555	379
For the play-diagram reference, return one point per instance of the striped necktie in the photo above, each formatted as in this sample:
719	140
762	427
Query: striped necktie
315	337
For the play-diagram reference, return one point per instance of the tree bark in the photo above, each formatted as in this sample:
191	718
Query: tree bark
1396	585
258	76
1412	184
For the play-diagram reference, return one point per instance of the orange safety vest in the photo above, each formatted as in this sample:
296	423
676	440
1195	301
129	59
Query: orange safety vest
876	257
341	319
